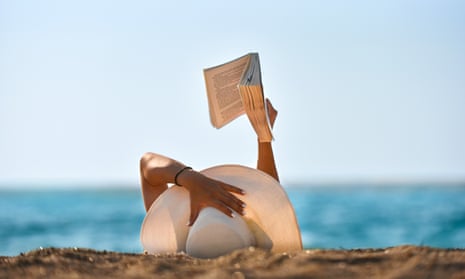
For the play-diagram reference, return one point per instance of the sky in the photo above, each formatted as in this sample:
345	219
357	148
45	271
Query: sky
366	90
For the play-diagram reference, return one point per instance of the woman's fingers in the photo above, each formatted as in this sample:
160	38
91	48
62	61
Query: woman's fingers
225	204
232	189
214	193
233	202
223	208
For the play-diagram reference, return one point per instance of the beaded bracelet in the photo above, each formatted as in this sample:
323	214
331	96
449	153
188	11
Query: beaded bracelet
178	173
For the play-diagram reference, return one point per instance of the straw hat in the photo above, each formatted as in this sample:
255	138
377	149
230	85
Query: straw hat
269	221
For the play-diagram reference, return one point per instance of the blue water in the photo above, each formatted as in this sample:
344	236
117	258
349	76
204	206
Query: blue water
329	217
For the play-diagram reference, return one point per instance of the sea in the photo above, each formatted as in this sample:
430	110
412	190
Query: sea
330	216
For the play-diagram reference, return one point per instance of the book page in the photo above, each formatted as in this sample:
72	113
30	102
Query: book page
224	100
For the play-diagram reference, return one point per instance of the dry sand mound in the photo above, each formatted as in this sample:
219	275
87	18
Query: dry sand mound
396	262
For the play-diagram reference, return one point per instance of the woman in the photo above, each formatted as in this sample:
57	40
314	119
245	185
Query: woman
157	171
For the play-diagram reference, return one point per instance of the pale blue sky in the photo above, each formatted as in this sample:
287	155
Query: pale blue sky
366	90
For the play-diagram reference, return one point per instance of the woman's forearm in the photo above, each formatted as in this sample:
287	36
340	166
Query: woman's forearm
265	160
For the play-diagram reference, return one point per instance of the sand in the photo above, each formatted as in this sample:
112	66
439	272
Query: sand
396	262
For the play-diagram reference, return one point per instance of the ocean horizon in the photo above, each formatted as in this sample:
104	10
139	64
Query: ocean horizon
330	215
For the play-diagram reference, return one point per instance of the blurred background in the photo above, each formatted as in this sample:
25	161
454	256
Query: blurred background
368	141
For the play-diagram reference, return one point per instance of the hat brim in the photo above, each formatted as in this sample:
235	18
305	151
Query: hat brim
269	213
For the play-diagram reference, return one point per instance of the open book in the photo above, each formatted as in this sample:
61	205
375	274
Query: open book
235	88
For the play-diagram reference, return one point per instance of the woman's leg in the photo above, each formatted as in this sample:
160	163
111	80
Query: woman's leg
265	160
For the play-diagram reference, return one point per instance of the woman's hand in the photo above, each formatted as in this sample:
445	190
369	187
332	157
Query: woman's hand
207	192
